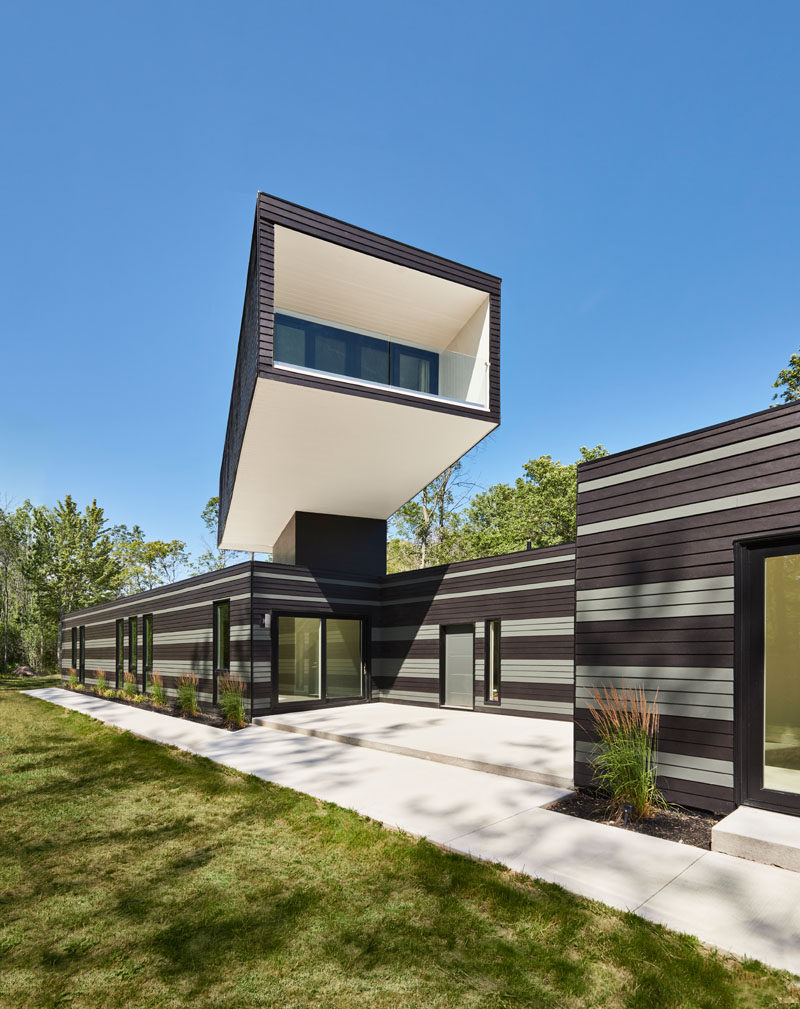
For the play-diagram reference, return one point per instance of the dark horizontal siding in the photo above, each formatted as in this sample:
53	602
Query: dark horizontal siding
678	638
753	425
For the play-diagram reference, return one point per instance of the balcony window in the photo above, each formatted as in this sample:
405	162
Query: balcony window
307	343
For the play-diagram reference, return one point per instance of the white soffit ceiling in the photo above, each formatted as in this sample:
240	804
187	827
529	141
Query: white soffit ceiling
318	278
313	450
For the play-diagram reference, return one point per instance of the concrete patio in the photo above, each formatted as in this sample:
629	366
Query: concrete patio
533	749
748	909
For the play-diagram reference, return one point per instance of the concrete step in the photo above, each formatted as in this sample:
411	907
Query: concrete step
761	836
440	756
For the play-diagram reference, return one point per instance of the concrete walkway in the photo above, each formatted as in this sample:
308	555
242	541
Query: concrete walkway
534	749
748	909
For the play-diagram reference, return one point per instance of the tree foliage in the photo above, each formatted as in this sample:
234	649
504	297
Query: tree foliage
56	560
538	507
788	381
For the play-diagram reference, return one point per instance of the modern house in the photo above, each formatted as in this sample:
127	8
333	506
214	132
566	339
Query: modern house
364	368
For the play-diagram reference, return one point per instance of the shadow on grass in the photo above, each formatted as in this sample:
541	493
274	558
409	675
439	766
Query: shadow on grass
138	861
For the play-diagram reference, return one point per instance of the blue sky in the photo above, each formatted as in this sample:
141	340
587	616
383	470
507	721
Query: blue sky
630	170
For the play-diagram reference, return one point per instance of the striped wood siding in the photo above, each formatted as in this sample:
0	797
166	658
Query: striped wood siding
654	583
531	593
294	589
182	629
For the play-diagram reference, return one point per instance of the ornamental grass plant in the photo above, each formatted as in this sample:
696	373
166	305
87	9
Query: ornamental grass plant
100	681
73	680
157	693
231	700
187	694
624	762
129	688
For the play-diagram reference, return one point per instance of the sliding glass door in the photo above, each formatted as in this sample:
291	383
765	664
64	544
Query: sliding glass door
318	659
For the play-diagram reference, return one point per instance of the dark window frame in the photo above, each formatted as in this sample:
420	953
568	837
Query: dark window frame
119	652
748	677
82	652
147	652
322	701
354	345
74	663
133	645
216	668
487	661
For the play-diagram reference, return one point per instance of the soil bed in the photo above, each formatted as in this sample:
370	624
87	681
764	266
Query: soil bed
203	717
686	826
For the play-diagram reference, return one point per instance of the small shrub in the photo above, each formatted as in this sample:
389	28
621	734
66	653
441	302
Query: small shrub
157	689
73	678
187	693
231	700
129	690
624	764
101	686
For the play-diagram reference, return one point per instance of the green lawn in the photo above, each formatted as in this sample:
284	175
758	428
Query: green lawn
28	682
135	875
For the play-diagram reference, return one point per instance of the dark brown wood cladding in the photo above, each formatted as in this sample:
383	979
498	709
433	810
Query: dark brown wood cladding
255	355
655	581
182	630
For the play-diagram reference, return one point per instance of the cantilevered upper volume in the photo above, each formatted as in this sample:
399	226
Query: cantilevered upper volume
365	367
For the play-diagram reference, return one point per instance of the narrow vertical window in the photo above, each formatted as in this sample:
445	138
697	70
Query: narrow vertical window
222	640
120	653
74	662
132	651
147	648
492	672
82	652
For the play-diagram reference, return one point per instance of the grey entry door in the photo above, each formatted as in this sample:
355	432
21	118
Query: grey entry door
458	642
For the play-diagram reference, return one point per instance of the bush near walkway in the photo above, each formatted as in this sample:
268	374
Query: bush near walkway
134	875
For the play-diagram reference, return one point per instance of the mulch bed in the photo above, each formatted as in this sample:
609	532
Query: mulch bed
203	717
686	826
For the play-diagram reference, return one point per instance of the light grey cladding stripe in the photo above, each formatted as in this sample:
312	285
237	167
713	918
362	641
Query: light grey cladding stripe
239	632
537	670
538	627
695	459
658	588
678	765
316	599
654	612
784	493
684	598
545	707
315	580
632	674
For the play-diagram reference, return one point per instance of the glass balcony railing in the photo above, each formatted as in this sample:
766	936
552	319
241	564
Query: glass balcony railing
320	346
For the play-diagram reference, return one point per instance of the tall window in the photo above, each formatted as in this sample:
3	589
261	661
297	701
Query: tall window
222	640
492	666
318	658
74	662
147	648
120	653
82	652
132	644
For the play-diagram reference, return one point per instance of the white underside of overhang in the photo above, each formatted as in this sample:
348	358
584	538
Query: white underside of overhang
315	450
